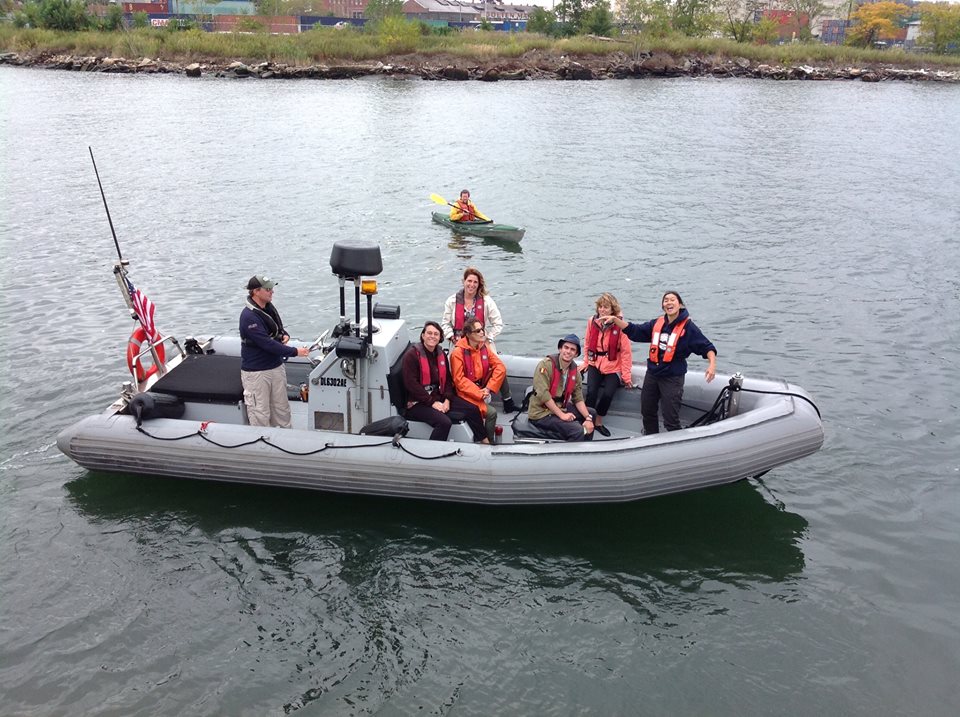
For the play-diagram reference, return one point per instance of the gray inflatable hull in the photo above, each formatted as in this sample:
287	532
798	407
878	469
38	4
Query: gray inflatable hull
775	430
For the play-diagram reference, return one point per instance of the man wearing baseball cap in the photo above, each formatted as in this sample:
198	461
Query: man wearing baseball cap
556	404
263	349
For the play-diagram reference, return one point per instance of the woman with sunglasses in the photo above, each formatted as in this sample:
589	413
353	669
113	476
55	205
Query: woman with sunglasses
477	372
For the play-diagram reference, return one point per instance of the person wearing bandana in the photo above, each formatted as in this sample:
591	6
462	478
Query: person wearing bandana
262	353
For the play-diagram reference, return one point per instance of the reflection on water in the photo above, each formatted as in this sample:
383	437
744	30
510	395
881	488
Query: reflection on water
729	532
462	244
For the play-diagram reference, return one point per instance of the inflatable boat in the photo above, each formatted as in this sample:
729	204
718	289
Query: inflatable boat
184	417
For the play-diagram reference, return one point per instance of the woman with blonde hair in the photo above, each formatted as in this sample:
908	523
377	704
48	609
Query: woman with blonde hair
608	358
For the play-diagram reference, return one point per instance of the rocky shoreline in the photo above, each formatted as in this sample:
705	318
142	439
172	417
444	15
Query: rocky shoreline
532	66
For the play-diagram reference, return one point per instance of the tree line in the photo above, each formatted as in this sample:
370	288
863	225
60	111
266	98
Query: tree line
740	20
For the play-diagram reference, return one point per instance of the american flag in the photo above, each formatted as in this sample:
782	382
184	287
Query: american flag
144	308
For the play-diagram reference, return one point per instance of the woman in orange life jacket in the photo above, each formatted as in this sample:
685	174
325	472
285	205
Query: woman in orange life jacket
608	359
429	384
477	372
473	301
464	210
673	337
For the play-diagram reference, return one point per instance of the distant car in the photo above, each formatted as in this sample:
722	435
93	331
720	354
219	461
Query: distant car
340	25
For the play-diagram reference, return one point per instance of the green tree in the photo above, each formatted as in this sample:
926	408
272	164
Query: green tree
570	13
766	31
696	18
140	19
599	19
739	18
651	17
113	20
875	21
397	35
70	15
381	9
543	21
940	25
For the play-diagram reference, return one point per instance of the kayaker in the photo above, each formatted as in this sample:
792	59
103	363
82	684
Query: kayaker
429	384
608	359
464	210
556	404
263	349
477	372
673	337
473	301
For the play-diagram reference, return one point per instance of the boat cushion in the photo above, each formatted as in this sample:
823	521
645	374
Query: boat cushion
522	427
207	378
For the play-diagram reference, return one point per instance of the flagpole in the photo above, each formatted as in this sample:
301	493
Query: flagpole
104	197
120	272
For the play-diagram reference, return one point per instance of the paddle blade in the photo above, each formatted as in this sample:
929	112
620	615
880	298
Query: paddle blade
484	217
436	198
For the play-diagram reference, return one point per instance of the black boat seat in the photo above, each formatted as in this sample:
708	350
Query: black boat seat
203	378
525	429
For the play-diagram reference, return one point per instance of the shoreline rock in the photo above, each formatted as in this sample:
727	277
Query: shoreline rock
532	66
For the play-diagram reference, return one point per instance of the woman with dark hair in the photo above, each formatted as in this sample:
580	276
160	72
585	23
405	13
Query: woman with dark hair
429	384
608	360
673	337
473	301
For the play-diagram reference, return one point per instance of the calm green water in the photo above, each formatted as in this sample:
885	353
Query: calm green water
812	229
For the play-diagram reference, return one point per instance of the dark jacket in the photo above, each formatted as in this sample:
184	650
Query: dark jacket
692	342
412	379
260	335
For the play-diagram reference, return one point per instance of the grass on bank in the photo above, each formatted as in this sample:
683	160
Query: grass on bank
330	45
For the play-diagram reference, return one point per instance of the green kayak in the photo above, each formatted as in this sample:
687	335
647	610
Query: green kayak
485	230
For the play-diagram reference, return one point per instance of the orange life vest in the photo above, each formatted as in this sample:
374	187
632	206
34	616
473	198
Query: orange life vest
555	381
593	338
669	344
484	363
467	210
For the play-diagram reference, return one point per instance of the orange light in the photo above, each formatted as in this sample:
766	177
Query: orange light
368	287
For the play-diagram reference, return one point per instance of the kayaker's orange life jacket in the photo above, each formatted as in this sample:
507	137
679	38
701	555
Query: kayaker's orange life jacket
484	363
670	344
593	337
425	369
555	381
459	314
469	211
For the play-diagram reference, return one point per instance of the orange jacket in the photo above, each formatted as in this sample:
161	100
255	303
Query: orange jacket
624	361
464	213
466	388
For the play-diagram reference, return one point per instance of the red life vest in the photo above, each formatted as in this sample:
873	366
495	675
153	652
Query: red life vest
484	363
671	342
593	337
555	381
460	313
468	212
425	378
